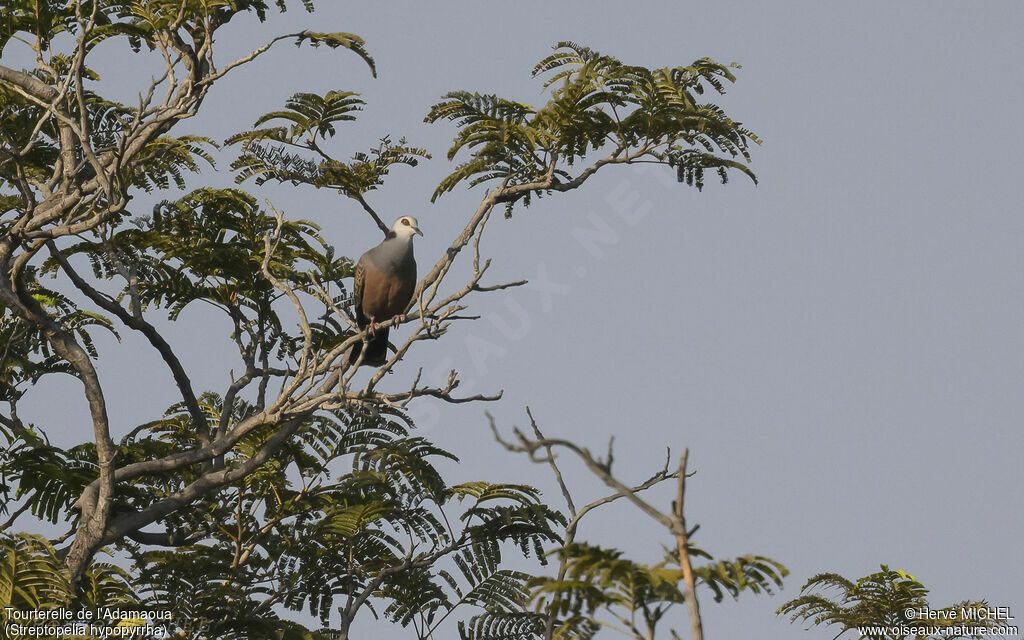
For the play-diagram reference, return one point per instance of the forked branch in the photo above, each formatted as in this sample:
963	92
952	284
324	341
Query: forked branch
541	449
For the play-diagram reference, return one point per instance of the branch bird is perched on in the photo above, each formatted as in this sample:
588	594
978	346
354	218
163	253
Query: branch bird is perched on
384	283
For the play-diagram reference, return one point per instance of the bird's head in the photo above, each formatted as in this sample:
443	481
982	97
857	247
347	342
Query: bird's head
406	227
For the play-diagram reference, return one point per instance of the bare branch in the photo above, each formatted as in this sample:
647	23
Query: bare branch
255	53
500	287
161	539
550	459
373	214
210	481
595	466
136	322
683	546
14	516
541	449
38	90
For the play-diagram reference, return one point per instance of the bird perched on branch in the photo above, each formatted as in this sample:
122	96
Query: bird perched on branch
384	283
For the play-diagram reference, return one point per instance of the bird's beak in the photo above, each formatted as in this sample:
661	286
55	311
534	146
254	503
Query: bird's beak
417	230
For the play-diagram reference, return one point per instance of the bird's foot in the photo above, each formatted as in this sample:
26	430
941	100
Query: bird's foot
371	329
397	320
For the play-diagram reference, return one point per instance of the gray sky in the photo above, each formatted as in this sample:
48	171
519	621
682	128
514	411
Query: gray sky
841	347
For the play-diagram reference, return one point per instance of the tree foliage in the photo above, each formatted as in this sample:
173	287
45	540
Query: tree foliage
291	489
32	577
636	595
881	605
596	102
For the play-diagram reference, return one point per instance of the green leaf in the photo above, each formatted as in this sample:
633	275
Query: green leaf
339	39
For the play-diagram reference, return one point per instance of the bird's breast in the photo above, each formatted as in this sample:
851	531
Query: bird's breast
386	294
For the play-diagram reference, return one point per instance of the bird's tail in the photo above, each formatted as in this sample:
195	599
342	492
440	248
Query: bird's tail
376	350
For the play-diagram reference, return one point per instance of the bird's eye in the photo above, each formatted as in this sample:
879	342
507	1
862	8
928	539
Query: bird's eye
405	221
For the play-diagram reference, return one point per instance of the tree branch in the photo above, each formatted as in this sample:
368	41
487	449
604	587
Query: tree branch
29	84
160	539
373	214
210	481
683	545
541	449
181	379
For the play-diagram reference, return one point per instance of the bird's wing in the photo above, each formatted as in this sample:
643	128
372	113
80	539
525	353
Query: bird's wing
357	292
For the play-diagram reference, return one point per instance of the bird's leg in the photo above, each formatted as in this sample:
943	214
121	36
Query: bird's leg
397	320
371	328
